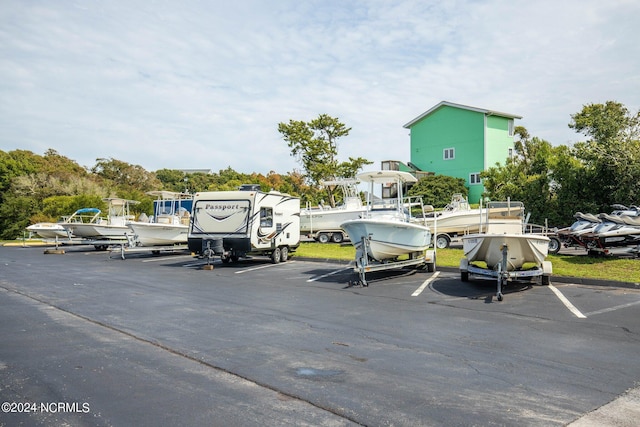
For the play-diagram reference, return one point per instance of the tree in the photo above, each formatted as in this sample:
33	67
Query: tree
436	190
605	122
172	179
314	145
525	177
611	155
126	175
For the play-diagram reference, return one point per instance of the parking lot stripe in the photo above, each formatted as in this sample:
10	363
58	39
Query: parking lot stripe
606	310
313	279
260	267
566	302
425	284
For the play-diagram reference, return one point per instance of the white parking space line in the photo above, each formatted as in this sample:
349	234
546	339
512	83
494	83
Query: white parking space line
260	267
566	302
168	257
425	284
196	264
313	279
617	307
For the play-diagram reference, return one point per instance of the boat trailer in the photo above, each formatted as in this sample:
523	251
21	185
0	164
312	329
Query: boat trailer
503	275
365	264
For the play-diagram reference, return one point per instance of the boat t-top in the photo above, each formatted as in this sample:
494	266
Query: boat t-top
169	224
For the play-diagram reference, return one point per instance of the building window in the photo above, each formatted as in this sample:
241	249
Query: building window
510	127
449	153
474	178
511	153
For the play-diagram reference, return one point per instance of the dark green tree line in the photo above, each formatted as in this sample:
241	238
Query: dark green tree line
555	182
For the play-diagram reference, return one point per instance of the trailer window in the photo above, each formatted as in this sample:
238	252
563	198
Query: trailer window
266	217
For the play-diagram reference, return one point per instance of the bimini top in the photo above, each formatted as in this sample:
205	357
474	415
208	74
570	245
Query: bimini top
87	211
386	176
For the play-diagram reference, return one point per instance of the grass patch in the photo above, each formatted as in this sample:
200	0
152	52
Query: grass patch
338	251
605	268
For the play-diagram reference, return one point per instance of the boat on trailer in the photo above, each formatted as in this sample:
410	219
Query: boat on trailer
508	254
169	224
388	236
459	218
113	228
57	230
322	223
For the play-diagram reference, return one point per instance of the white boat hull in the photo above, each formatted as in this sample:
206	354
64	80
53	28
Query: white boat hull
457	223
388	238
48	230
155	234
99	231
521	249
468	221
312	220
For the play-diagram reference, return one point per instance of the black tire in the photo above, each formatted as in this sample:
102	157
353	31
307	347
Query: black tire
554	245
464	276
337	237
545	280
276	256
284	254
323	238
442	241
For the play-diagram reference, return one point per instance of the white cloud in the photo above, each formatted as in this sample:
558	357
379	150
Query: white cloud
202	85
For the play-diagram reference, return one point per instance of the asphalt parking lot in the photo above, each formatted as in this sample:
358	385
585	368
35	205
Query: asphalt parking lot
90	339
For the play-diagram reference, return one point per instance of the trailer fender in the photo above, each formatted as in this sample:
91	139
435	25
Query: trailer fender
547	268
464	269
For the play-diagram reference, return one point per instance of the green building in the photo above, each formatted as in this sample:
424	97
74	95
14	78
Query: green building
461	141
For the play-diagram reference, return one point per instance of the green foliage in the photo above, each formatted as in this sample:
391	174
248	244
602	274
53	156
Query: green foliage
126	175
56	207
314	145
604	122
172	180
436	190
556	182
14	215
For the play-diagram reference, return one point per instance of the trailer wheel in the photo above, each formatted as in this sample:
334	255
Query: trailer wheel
545	280
284	253
442	241
323	238
464	276
337	237
554	245
276	256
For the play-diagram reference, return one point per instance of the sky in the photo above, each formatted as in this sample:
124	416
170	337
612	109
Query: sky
203	84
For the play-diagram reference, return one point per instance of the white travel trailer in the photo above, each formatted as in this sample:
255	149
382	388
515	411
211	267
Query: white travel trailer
235	224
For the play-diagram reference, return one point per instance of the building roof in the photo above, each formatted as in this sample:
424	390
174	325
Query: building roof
464	107
190	171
